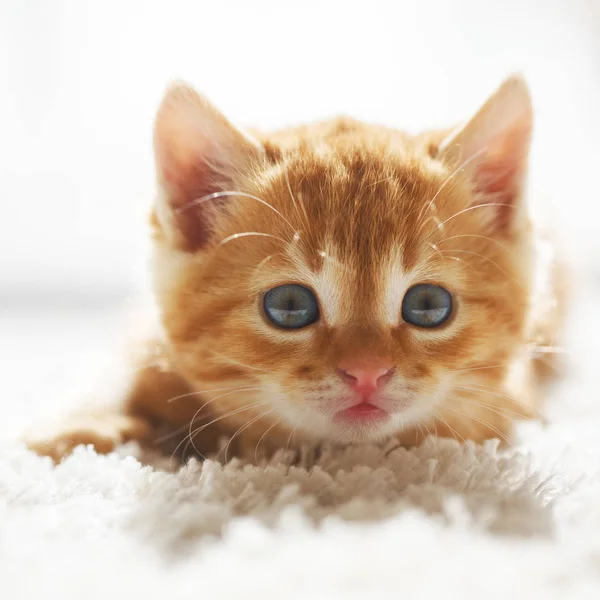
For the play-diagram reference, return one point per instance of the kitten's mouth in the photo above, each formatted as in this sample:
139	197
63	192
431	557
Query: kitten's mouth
364	412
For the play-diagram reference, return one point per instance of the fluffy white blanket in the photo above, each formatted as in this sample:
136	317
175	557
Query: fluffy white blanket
443	520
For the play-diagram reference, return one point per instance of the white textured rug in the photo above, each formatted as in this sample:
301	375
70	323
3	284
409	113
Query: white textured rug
464	522
458	522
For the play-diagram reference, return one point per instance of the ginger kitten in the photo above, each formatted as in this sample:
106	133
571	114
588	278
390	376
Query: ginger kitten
337	282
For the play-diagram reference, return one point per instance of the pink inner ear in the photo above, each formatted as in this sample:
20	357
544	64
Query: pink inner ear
498	176
187	182
498	182
496	143
191	212
187	161
182	149
187	179
198	153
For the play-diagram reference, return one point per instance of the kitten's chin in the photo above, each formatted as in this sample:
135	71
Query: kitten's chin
373	428
370	427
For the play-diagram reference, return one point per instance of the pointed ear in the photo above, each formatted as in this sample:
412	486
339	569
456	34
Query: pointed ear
198	152
492	149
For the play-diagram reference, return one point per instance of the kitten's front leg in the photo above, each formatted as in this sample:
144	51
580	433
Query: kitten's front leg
158	409
103	429
155	400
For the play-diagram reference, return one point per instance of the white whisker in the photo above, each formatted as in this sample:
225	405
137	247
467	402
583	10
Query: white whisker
244	427
483	237
481	421
452	430
190	434
202	427
237	387
262	437
234	361
464	210
493	262
225	194
289	440
236	236
499	410
482	367
452	175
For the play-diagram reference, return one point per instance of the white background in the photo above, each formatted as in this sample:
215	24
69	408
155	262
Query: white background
80	81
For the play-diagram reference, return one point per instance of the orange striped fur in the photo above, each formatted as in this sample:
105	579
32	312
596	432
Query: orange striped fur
358	213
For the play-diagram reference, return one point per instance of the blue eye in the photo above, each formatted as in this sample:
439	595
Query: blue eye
291	306
426	305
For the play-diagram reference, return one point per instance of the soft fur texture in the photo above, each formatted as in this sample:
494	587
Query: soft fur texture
358	213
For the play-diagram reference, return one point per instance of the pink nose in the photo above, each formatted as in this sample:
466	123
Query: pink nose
366	380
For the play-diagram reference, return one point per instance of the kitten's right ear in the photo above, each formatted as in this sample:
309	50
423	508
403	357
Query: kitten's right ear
198	152
492	150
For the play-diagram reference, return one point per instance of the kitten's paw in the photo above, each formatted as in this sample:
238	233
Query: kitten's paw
105	431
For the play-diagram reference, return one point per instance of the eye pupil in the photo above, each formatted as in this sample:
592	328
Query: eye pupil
291	306
426	305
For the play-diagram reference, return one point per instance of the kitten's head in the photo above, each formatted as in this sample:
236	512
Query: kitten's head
342	279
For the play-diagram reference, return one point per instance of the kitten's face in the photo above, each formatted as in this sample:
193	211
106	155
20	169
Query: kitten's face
358	286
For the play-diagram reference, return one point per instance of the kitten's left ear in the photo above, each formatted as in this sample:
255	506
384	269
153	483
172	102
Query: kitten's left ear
492	149
198	154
